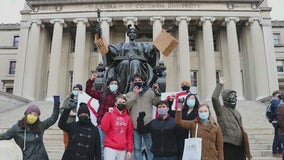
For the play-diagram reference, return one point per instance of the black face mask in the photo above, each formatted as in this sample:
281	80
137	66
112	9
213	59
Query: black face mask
138	84
185	88
232	102
121	107
84	119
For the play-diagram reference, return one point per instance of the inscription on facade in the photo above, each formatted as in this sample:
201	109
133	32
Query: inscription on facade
145	6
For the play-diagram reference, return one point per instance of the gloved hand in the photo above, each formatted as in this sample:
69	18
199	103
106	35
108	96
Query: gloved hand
71	105
141	115
56	100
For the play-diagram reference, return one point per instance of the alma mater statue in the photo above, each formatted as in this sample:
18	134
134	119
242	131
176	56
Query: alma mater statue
123	60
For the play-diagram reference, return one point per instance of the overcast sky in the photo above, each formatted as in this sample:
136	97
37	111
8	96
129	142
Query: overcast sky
10	10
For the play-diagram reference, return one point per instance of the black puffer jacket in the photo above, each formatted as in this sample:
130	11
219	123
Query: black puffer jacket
164	135
31	143
84	140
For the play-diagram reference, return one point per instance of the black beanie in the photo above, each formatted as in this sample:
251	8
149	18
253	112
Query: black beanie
83	109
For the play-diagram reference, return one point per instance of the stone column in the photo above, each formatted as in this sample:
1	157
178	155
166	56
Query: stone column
270	55
233	56
21	59
183	58
259	60
79	68
105	22
32	57
209	76
129	21
157	23
55	59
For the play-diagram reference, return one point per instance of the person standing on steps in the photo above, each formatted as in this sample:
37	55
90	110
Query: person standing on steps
28	132
236	145
106	99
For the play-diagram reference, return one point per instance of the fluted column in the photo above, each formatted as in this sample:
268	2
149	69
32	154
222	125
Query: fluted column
129	21
209	75
31	70
79	68
259	61
233	56
270	55
157	23
183	58
55	59
105	22
21	58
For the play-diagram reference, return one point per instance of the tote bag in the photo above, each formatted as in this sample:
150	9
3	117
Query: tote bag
192	147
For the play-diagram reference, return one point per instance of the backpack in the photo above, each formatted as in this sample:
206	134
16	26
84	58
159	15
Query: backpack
268	113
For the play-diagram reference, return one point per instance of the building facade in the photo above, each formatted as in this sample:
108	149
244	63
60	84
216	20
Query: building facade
9	41
232	39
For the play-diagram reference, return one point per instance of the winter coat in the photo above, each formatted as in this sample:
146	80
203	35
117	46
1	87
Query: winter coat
31	143
142	103
164	135
118	130
84	140
280	119
228	118
211	134
106	99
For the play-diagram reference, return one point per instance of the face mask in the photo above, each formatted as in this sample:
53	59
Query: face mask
75	93
185	88
120	106
190	103
162	111
203	115
31	119
84	119
138	84
232	102
113	87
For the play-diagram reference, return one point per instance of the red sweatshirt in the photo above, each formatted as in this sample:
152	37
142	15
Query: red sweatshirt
119	130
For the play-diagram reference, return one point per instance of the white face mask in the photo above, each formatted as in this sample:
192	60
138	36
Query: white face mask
113	87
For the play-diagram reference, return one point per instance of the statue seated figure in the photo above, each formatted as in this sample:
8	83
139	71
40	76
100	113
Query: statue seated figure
123	60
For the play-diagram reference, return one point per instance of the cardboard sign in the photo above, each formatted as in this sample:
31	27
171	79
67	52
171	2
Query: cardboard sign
165	42
101	44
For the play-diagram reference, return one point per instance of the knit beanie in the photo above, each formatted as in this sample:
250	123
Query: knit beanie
79	86
32	108
83	109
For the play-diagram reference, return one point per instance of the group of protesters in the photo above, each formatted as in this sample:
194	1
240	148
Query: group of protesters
128	127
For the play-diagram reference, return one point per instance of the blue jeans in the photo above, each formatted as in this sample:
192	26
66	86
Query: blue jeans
102	137
138	145
276	147
165	158
281	140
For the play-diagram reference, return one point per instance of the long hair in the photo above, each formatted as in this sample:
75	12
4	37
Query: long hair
211	119
35	128
196	103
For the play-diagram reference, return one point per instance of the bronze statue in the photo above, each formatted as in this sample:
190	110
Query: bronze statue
123	60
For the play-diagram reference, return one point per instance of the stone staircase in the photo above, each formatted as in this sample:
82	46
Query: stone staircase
261	143
53	140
